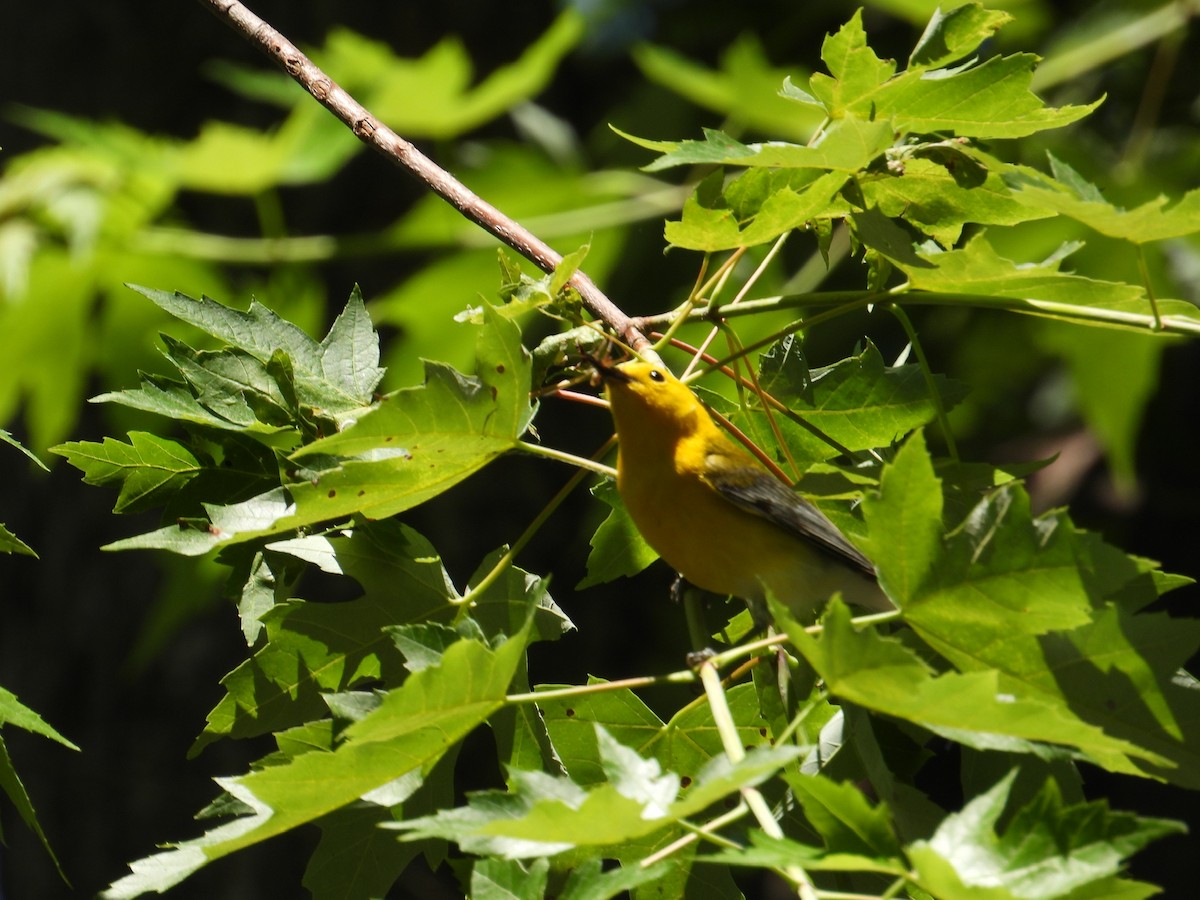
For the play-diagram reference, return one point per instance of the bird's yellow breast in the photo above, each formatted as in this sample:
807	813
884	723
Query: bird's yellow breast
669	452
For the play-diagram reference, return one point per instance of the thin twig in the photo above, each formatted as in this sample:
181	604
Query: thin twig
753	798
375	134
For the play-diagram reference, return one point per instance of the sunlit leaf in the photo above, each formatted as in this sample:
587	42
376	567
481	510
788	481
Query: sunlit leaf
412	728
1047	849
1068	194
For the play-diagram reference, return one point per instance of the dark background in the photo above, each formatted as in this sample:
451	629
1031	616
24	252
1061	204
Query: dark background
70	620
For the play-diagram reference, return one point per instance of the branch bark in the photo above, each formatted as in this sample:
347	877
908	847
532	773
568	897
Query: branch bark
377	135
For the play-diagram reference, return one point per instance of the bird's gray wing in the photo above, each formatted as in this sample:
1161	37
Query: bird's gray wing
775	501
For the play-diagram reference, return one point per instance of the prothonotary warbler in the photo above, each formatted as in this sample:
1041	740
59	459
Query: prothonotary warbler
716	515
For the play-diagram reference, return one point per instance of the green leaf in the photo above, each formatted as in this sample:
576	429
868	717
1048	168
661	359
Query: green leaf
148	470
986	101
10	543
1137	695
844	817
335	376
355	857
977	708
265	586
11	784
412	445
7	438
573	723
782	211
566	269
989	100
939	201
976	273
1020	601
684	745
859	402
977	268
765	851
410	730
14	712
590	882
952	34
1046	850
438	95
175	400
545	815
845	146
418	442
508	879
857	73
990	571
905	522
1068	194
328	647
618	548
1115	374
743	88
235	386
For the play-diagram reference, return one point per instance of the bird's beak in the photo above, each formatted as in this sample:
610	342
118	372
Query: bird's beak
606	371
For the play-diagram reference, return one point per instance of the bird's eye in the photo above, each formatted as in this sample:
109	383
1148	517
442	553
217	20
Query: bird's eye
656	375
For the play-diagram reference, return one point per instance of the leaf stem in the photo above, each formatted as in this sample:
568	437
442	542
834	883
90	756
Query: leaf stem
738	297
600	687
708	831
705	831
688	676
570	458
1149	285
467	600
845	301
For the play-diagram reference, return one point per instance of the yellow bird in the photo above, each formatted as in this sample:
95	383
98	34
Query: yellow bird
716	515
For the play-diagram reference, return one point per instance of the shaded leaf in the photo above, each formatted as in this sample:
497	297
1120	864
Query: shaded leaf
509	879
147	470
859	402
334	377
412	445
845	818
355	857
328	647
14	712
618	548
11	784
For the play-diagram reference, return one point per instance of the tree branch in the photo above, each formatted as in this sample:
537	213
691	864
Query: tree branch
375	134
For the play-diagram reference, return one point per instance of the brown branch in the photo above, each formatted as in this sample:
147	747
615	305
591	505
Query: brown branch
375	134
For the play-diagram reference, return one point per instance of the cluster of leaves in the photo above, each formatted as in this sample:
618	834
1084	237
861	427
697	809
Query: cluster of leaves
370	699
101	206
1022	641
903	158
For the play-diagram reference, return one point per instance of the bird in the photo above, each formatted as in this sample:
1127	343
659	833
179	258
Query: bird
714	513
